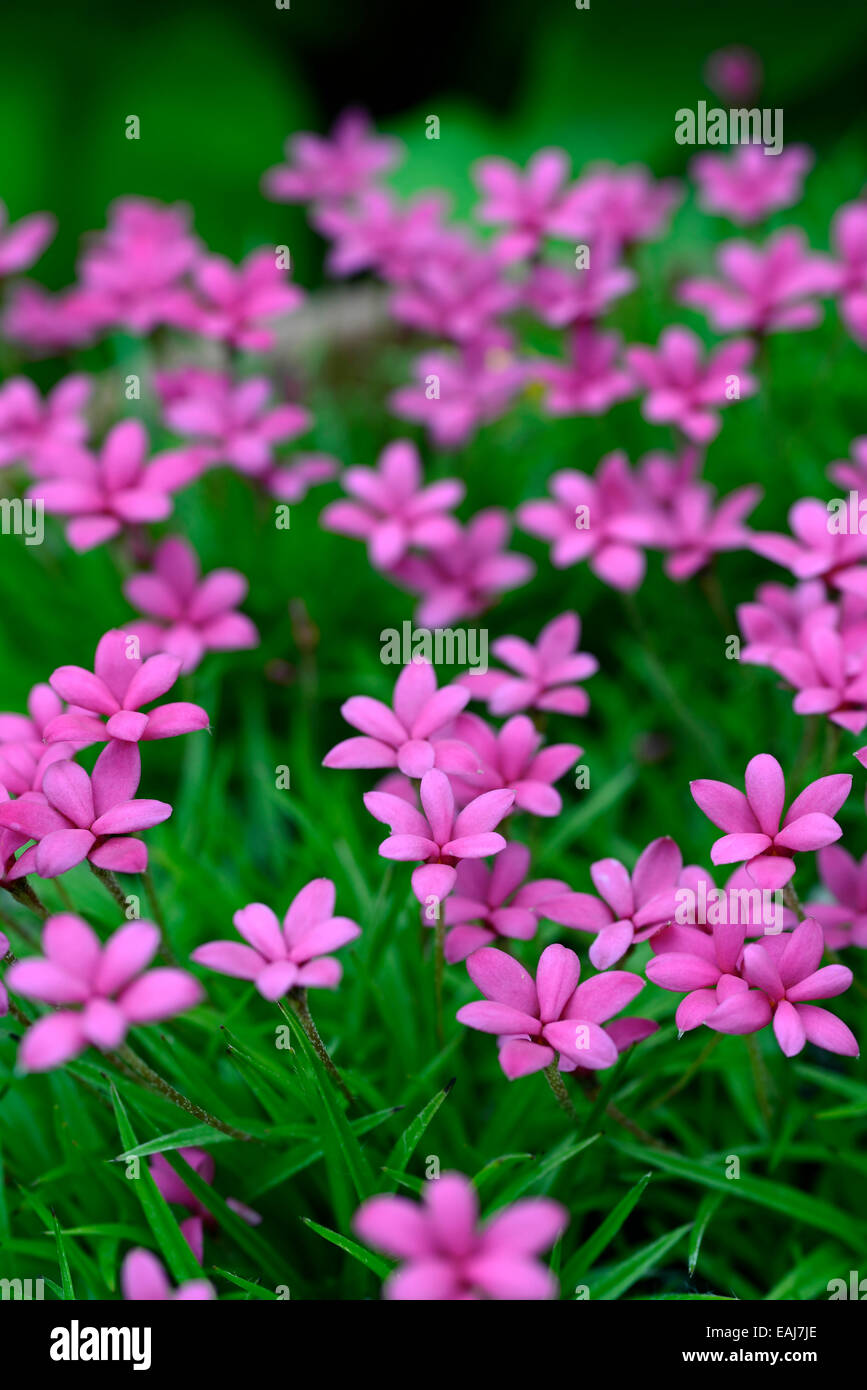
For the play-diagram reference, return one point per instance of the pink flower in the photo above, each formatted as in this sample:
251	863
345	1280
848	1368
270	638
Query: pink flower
511	757
5	949
117	687
536	1021
604	520
695	532
563	297
685	391
752	822
453	395
778	616
48	324
816	551
406	736
843	921
23	242
766	289
465	579
533	204
323	170
457	291
23	755
143	1279
546	672
621	205
378	233
175	1190
849	240
635	905
10	843
448	1258
491	903
591	381
439	837
135	267
296	956
191	615
734	73
36	431
829	676
747	185
77	817
118	489
236	303
110	985
392	511
852	475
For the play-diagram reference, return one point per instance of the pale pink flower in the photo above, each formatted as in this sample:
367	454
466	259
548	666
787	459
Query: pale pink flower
635	906
513	757
437	835
752	822
746	185
447	1257
236	304
190	615
175	1190
294	956
590	381
697	528
144	1280
392	511
532	203
35	430
604	519
453	395
734	72
765	289
464	579
119	488
120	683
136	266
534	1021
109	985
320	169
815	551
408	736
686	390
489	903
621	205
22	243
547	672
844	921
76	817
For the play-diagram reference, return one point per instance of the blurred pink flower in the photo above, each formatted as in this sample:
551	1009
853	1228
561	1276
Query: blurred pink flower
144	1280
766	289
604	519
391	509
48	324
635	905
320	169
436	835
379	233
190	615
464	579
117	687
752	822
77	817
457	292
136	266
453	395
590	381
532	203
34	430
175	1190
406	736
849	240
495	902
778	616
22	243
563	297
296	956
746	185
447	1257
110	985
844	921
828	674
815	551
687	391
23	755
547	672
236	303
534	1021
119	488
511	757
734	73
695	529
619	205
852	474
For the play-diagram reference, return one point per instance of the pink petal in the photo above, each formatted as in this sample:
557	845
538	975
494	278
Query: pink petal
229	958
160	994
51	1041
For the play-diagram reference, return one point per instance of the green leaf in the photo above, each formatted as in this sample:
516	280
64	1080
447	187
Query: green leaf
370	1261
707	1208
195	1136
406	1144
587	1254
62	1260
622	1276
254	1290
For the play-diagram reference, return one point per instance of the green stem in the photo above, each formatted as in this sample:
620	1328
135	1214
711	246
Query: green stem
689	1073
793	902
107	878
760	1077
157	1083
832	743
24	894
301	1009
439	967
555	1081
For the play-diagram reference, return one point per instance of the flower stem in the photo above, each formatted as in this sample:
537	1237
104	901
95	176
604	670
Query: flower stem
832	743
301	1009
24	894
155	1082
793	902
25	933
439	966
555	1081
716	1039
760	1077
106	877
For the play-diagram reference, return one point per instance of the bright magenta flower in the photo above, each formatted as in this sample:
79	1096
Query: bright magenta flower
464	579
406	736
829	675
76	816
766	289
236	304
844	921
621	205
590	381
752	821
117	687
109	986
780	617
23	242
190	615
49	324
320	169
296	956
513	757
815	551
635	907
134	269
143	1279
376	232
453	395
175	1190
849	240
458	291
119	488
536	1021
695	529
391	509
747	185
447	1257
532	203
687	391
562	298
852	474
546	673
37	431
23	755
496	902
